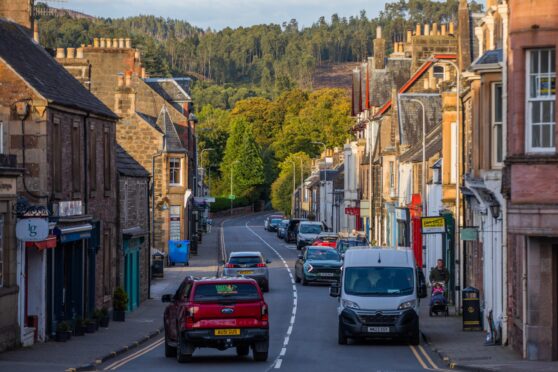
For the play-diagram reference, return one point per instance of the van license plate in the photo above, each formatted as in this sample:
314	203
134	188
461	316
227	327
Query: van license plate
227	332
378	329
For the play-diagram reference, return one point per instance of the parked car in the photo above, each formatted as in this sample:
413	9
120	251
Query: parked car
218	313
249	264
292	229
282	229
274	224
307	232
268	219
344	243
318	264
379	295
326	239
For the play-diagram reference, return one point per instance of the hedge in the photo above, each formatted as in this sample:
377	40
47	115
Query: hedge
222	204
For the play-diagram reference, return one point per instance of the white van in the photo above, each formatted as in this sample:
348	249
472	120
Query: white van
379	295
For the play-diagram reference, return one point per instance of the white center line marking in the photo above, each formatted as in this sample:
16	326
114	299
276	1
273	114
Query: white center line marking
278	363
283	351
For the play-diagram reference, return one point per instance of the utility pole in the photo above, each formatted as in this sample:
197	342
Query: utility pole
301	185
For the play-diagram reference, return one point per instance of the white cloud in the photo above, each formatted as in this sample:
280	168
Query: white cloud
218	14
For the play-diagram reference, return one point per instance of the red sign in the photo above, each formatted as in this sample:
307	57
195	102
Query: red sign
352	211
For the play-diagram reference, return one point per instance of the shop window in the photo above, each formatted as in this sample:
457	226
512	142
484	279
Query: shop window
541	100
175	176
497	125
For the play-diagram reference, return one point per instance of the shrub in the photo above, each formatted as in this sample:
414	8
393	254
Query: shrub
120	299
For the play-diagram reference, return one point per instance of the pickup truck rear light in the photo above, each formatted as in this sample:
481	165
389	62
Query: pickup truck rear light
265	315
189	318
230	266
261	265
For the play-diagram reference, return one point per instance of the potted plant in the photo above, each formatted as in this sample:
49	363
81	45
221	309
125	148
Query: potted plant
63	331
119	304
103	316
79	327
90	326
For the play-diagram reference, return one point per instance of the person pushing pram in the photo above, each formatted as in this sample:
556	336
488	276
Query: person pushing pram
439	278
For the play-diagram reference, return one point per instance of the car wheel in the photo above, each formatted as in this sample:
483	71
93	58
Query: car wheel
170	351
260	356
242	350
183	351
341	338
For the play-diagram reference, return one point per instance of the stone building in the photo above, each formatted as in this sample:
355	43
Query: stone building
530	180
63	138
156	127
133	218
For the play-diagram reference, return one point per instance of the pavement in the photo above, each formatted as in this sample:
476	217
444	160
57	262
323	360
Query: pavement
142	325
466	350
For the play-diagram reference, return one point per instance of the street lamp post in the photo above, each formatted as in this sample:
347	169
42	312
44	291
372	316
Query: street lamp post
301	184
201	166
424	205
325	177
293	203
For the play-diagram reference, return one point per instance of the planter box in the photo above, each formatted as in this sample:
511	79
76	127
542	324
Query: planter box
119	316
104	322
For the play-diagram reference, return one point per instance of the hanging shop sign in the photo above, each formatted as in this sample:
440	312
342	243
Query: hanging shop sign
351	211
433	225
469	233
32	229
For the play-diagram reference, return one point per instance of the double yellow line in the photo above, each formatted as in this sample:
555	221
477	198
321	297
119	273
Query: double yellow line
135	355
423	358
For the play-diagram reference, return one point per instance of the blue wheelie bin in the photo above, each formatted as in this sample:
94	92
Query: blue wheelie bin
179	252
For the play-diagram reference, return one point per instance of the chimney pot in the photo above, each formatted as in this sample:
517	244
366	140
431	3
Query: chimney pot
36	32
137	55
95	42
143	75
434	29
444	30
451	28
426	30
121	43
115	43
103	42
79	53
379	32
60	53
71	53
409	36
418	29
109	42
128	43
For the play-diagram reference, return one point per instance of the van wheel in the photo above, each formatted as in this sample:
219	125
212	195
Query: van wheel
341	338
170	351
415	338
242	350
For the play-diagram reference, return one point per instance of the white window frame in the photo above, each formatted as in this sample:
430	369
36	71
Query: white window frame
171	168
439	75
538	98
495	124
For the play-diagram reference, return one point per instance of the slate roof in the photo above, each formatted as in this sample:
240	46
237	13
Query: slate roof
433	146
395	75
490	57
151	120
172	140
410	117
43	73
171	91
128	166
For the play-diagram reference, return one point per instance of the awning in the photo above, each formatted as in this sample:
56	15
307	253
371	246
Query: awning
49	242
74	232
133	232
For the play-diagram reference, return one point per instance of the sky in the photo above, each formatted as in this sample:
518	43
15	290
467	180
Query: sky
218	14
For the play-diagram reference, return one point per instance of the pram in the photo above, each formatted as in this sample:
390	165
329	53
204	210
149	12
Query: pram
438	300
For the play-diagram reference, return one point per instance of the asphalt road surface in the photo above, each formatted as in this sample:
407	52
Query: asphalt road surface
303	325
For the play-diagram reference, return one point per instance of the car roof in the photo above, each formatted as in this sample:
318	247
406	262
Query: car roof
246	254
326	233
311	222
368	256
223	279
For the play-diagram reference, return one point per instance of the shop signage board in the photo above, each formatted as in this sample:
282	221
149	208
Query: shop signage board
32	229
351	211
204	199
433	225
469	233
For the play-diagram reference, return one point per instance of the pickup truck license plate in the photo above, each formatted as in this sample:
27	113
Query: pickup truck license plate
246	272
227	332
378	329
326	274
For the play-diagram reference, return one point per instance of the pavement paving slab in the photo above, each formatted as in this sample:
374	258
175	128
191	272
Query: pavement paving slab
141	325
466	350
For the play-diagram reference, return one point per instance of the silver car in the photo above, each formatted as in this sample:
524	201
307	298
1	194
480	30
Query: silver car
249	264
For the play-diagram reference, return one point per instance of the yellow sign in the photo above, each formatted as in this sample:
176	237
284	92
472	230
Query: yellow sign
433	225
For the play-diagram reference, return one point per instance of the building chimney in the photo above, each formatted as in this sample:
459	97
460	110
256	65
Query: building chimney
128	43
71	53
36	32
435	29
452	28
95	42
418	30
444	30
463	35
121	43
19	11
427	30
60	53
79	53
115	43
379	50
103	42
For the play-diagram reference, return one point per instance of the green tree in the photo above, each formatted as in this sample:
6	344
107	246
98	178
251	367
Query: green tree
282	188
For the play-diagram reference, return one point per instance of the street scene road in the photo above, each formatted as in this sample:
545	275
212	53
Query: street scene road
303	323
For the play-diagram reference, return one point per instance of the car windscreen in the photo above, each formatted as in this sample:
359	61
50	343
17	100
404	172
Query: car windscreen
225	292
276	221
322	255
310	229
379	281
245	260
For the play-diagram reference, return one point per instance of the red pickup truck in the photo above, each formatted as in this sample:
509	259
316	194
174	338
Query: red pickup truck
218	313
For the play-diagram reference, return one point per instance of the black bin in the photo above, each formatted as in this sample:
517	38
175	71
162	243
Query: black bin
194	244
471	310
157	265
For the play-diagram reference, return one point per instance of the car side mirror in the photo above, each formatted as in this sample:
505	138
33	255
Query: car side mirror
267	261
300	257
335	290
166	298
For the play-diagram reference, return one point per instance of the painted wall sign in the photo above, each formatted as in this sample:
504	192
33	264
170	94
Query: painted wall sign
32	229
433	225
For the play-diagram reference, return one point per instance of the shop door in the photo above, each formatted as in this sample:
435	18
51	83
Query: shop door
131	272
